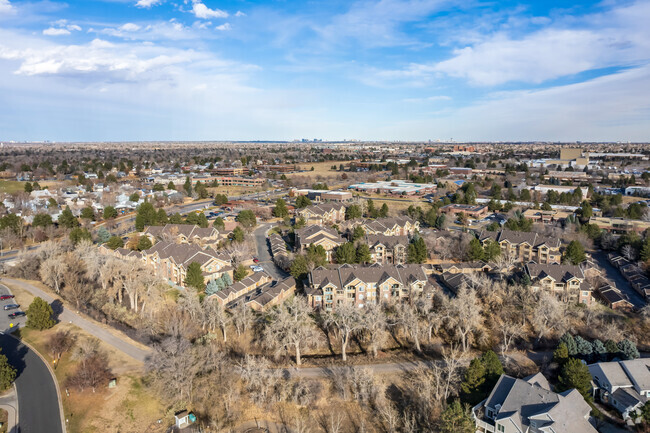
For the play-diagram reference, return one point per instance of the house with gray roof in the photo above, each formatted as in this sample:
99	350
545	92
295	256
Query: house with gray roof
182	232
624	385
388	249
529	405
316	235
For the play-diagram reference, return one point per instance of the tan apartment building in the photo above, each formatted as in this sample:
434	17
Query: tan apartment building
314	234
384	249
525	246
567	282
323	214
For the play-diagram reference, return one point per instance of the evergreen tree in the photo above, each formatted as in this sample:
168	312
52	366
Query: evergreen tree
171	185
144	243
88	213
457	418
280	210
176	219
599	350
583	347
575	253
363	254
79	234
611	347
346	253
42	220
194	276
212	287
473	382
237	235
492	250
561	354
109	212
247	219
317	255
570	343
358	233
628	349
39	315
475	251
352	212
115	242
383	212
299	268
103	235
227	281
7	373
67	219
645	250
575	374
302	202
146	216
371	210
161	217
219	223
188	186
240	273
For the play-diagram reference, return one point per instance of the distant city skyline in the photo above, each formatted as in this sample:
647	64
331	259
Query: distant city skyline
407	70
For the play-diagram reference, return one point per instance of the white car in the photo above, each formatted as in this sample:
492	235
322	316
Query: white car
258	269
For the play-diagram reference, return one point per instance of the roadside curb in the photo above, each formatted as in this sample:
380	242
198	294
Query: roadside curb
56	382
15	427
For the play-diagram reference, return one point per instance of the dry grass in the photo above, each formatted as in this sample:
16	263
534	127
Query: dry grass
320	168
3	419
11	186
129	408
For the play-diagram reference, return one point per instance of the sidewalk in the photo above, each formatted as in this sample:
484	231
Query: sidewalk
9	402
123	343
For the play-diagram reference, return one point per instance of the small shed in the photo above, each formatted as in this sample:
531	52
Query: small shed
184	419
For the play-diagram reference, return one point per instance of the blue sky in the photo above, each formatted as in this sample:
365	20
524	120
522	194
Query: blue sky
367	69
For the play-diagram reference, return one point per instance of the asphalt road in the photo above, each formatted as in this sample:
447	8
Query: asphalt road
264	254
5	321
38	402
615	275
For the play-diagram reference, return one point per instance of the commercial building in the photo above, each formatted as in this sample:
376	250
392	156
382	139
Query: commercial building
472	211
395	187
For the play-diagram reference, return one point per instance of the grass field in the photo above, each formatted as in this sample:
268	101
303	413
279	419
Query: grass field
11	186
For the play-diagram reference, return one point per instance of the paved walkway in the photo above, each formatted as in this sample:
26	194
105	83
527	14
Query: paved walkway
9	402
121	343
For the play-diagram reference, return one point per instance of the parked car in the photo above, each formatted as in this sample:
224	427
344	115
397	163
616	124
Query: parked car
258	269
5	297
11	306
17	314
256	260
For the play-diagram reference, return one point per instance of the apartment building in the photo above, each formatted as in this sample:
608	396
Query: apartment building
185	233
314	234
241	288
565	281
241	181
323	214
390	226
360	285
525	246
170	261
388	249
620	225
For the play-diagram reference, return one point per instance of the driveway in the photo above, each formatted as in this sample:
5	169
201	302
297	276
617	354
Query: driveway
615	275
38	401
264	253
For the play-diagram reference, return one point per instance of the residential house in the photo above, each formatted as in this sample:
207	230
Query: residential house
529	405
360	285
388	249
632	273
624	385
171	260
613	298
525	246
185	233
566	281
278	246
390	226
323	214
464	267
314	234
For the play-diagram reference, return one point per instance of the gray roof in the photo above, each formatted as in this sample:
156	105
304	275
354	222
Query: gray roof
187	230
556	271
341	275
323	208
522	401
515	237
387	241
185	253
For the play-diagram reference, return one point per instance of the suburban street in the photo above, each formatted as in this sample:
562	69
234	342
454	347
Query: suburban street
264	253
621	283
38	402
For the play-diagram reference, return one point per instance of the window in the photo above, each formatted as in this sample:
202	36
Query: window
501	428
318	298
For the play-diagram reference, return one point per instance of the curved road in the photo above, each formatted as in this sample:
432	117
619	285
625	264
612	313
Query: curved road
264	253
38	401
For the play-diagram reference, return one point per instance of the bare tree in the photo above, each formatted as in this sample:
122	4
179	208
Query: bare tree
216	316
374	326
464	315
242	317
548	315
410	322
52	272
510	330
628	252
173	367
59	343
291	326
345	322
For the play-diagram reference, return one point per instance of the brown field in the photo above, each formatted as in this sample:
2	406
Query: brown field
129	407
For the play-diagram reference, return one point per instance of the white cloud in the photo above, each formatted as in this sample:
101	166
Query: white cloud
428	99
224	27
74	27
147	3
240	14
6	7
56	32
202	11
130	27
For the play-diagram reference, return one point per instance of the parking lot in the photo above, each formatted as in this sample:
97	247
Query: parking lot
5	321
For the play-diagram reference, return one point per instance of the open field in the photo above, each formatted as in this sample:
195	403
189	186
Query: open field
129	407
11	186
